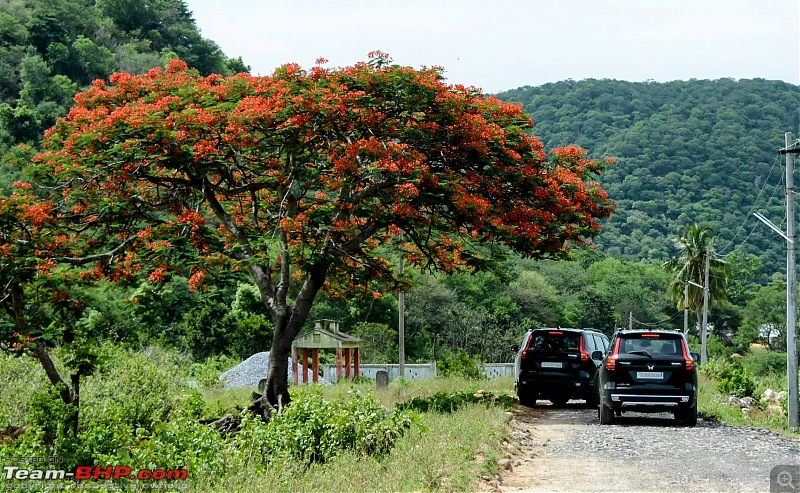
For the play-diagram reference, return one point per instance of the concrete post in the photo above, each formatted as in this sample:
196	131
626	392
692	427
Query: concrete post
315	365
305	365
338	363
294	366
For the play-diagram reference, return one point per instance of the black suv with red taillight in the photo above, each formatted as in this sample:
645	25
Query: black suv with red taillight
648	371
557	365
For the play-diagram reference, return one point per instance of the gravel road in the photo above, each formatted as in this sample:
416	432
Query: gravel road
564	448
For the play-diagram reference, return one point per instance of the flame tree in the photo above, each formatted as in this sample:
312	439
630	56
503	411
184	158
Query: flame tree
305	179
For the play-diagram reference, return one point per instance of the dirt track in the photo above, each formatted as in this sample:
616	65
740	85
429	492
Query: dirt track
565	449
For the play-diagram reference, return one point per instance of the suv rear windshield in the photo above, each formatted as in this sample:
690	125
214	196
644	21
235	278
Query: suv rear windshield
667	344
555	340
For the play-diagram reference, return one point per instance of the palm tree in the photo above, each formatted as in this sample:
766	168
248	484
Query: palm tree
697	242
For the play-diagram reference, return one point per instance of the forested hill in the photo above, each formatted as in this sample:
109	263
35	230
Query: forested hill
687	151
50	49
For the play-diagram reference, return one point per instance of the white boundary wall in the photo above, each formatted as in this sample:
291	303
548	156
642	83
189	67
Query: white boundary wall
415	371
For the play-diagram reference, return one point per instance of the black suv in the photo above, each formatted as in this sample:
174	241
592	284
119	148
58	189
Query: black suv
648	371
557	365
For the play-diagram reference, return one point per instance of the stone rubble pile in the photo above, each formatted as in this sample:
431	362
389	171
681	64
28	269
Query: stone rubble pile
250	371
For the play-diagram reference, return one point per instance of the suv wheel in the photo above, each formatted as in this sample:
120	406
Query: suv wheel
606	415
592	400
593	397
527	398
688	417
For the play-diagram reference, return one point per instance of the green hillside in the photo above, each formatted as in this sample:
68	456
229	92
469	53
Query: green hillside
49	49
687	151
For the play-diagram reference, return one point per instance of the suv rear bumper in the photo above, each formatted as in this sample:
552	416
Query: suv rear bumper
648	402
556	386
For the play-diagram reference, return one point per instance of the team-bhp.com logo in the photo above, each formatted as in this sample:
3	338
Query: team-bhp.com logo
85	473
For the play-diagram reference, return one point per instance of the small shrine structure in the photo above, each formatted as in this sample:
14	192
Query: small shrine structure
326	335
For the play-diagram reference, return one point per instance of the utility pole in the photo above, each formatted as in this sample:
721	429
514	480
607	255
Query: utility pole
704	328
790	150
401	323
630	320
686	307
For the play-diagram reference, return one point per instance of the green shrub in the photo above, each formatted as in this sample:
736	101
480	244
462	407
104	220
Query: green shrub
461	364
206	373
18	376
182	443
314	430
764	363
448	402
735	380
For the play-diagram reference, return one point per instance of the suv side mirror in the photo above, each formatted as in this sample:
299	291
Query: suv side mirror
597	355
514	348
695	356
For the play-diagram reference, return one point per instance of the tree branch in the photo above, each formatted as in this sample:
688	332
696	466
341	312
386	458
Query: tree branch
259	272
101	257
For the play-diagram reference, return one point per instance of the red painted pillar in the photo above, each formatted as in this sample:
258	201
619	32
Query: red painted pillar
305	365
338	363
315	365
294	366
358	362
347	358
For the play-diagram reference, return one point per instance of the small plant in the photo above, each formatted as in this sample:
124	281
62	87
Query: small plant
448	402
314	430
461	364
764	363
735	380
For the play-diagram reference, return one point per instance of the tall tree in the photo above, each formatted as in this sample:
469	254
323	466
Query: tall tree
695	245
305	179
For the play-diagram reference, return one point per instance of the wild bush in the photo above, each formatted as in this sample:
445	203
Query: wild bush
737	381
460	364
763	363
448	402
313	429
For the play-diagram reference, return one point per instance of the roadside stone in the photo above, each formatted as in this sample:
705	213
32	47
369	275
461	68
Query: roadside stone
505	464
518	435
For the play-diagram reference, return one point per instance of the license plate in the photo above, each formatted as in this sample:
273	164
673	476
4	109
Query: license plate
650	374
549	364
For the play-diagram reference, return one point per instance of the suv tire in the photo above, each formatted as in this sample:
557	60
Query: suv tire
606	415
688	417
527	398
593	397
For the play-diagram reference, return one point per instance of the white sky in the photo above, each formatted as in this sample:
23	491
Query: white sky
506	44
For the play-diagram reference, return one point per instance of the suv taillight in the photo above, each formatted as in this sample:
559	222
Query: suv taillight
523	354
688	359
611	362
584	354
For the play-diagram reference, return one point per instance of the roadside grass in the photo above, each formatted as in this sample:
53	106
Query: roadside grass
449	457
711	403
155	424
447	453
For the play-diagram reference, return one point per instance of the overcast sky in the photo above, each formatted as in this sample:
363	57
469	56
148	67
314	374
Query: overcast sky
504	44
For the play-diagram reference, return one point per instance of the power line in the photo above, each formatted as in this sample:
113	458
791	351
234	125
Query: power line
743	242
755	202
656	324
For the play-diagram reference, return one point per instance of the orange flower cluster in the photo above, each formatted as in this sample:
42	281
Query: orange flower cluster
302	172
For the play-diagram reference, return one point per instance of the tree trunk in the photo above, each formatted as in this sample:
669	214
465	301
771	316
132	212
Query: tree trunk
69	395
286	329
277	389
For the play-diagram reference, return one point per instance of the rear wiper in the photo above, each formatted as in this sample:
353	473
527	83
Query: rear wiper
643	353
